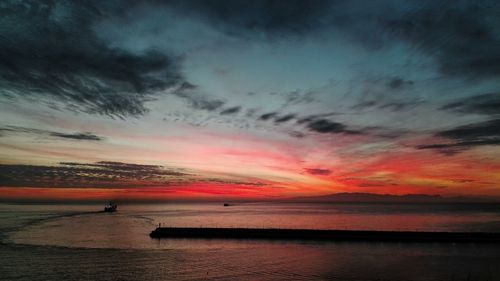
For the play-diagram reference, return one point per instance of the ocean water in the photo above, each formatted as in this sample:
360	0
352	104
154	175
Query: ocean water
80	242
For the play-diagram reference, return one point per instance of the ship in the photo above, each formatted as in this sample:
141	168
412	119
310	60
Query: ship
111	207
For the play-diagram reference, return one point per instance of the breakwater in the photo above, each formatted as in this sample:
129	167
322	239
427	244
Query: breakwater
328	235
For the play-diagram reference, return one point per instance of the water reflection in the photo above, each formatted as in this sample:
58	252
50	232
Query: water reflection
93	245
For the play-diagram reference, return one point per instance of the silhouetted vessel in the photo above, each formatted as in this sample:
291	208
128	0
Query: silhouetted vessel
226	205
111	207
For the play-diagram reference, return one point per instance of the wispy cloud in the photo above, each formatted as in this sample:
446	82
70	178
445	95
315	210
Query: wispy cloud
72	136
466	137
51	50
284	118
106	174
326	126
318	172
267	116
398	83
231	110
487	104
77	136
463	37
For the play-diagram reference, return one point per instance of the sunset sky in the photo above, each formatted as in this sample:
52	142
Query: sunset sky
248	99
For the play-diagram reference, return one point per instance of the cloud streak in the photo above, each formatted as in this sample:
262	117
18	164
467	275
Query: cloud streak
486	104
106	174
467	136
318	172
51	51
231	110
71	136
463	37
326	126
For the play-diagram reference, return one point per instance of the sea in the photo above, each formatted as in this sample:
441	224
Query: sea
81	242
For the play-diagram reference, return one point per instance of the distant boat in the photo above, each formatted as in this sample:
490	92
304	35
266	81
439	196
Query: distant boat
111	207
226	205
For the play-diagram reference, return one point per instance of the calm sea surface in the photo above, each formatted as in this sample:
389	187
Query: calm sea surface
79	242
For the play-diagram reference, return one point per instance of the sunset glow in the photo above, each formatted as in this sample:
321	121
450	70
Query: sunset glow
172	101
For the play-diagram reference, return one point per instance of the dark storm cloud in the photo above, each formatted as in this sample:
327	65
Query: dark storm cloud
277	119
79	136
488	104
462	144
462	36
267	116
284	118
48	49
325	126
450	149
231	110
52	49
318	172
72	136
313	117
468	136
476	131
313	123
276	17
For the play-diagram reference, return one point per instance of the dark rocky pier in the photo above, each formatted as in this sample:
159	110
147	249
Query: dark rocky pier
326	235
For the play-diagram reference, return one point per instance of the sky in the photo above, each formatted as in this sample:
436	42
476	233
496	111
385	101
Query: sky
213	99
